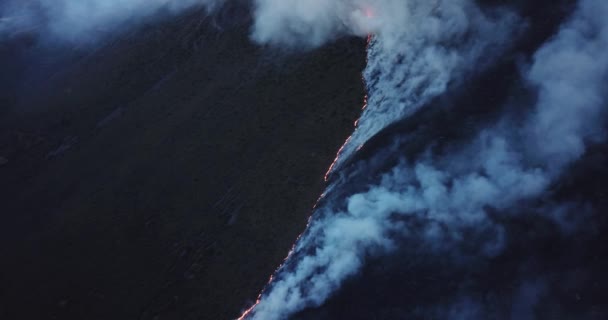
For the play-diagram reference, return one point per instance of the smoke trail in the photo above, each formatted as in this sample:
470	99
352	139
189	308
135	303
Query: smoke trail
437	45
84	21
444	199
426	45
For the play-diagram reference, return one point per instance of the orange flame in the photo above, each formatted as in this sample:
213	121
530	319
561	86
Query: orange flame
250	310
368	11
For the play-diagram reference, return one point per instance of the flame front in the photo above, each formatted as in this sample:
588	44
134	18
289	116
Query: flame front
251	309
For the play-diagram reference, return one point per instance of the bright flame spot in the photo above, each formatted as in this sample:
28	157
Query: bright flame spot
249	311
368	12
333	164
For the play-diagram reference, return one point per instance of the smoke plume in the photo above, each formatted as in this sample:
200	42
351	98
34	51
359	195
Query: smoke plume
419	47
84	21
446	198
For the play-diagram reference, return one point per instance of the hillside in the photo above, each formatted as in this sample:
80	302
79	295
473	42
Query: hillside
165	173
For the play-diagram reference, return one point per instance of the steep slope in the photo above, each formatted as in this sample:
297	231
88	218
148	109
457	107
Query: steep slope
166	173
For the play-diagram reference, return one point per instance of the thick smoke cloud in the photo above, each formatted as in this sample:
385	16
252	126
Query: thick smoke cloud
301	23
420	49
444	199
426	45
84	21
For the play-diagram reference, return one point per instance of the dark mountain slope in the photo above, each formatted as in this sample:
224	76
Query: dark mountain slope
165	174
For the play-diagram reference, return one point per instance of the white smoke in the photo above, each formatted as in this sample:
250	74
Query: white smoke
438	44
299	23
85	20
507	163
426	45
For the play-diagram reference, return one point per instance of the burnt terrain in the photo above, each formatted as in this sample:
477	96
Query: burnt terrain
162	173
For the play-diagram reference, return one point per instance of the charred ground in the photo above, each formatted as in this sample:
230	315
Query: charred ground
162	173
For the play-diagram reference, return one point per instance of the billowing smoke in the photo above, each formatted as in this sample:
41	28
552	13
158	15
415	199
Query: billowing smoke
85	21
446	198
419	47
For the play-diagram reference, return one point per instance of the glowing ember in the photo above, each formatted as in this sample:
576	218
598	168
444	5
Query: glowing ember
333	164
249	311
368	12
